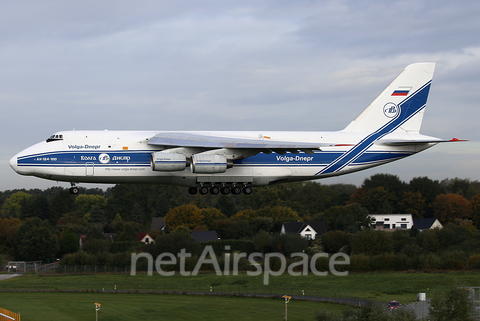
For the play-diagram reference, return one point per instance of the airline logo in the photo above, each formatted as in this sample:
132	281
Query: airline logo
391	110
288	159
104	158
86	146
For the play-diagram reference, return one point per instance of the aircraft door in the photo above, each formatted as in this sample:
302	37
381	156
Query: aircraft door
89	169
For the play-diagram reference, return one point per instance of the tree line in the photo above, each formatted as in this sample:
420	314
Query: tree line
55	218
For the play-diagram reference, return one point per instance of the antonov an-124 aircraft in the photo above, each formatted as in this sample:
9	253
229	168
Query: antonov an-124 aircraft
234	161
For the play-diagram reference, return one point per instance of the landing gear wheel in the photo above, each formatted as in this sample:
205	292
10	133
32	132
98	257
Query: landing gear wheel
247	190
236	190
203	190
214	190
225	190
192	190
73	190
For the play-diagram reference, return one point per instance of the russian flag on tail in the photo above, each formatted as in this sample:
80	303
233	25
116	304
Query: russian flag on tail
402	91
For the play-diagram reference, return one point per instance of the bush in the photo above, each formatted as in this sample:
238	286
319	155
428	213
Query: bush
79	258
432	262
173	243
119	259
383	262
36	240
96	246
402	263
69	242
372	242
321	264
367	312
453	305
327	316
242	246
360	263
454	260
474	261
119	247
333	241
288	243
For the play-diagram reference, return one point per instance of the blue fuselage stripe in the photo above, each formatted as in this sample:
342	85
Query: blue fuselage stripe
142	158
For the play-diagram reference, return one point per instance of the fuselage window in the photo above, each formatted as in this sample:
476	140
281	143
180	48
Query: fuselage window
54	138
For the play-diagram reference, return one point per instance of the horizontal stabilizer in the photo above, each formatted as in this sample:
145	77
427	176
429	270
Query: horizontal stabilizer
388	142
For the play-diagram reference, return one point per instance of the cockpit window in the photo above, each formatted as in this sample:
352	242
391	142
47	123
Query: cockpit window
54	138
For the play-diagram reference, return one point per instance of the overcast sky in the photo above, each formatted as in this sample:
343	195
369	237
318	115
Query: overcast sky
235	65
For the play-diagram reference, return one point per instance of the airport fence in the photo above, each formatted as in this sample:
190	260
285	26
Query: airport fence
421	308
475	298
8	315
55	268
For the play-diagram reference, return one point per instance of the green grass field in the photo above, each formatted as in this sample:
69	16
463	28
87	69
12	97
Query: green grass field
80	306
119	306
372	286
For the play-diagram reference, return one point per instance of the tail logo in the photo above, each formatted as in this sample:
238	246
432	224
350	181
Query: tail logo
391	110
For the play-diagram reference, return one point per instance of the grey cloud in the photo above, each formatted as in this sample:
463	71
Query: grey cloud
383	28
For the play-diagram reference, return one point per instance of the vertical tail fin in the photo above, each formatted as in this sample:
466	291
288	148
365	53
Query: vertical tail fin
401	105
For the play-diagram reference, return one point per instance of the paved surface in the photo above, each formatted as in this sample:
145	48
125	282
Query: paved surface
8	276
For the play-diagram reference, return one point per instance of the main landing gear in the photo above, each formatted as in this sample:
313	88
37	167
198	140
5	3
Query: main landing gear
74	189
224	189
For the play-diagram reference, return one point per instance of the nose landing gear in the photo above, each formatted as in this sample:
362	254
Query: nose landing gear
74	189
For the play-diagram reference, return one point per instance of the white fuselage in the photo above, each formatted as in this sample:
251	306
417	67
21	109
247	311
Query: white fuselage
124	157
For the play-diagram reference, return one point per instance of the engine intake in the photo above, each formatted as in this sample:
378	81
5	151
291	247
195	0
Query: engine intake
208	163
168	162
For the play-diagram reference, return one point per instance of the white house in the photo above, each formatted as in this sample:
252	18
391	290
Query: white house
392	221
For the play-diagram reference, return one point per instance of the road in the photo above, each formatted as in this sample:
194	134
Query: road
8	276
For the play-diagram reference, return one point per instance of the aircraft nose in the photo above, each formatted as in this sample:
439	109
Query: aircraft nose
23	162
22	170
19	169
13	163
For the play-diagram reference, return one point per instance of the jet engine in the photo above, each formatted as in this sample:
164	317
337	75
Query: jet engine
168	162
209	163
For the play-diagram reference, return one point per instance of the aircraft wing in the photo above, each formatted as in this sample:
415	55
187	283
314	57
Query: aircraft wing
392	142
179	139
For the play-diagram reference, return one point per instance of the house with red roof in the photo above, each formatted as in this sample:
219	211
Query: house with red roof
145	238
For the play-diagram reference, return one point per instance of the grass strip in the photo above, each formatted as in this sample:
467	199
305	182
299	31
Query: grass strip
118	306
403	287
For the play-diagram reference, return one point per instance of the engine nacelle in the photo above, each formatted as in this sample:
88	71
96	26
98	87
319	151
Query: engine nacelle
208	163
168	162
